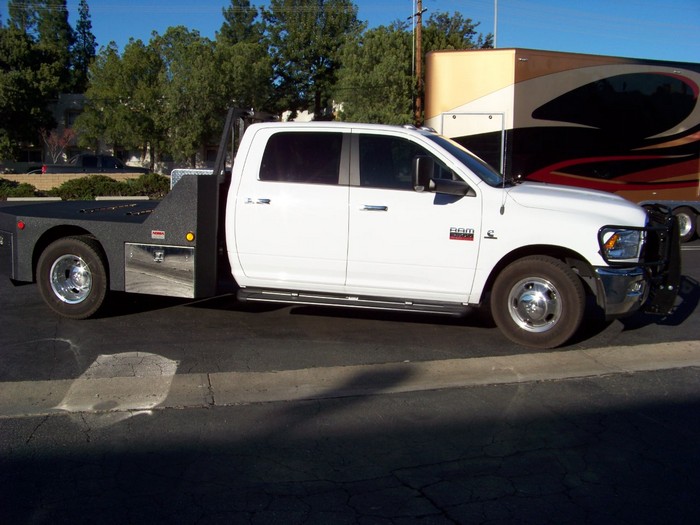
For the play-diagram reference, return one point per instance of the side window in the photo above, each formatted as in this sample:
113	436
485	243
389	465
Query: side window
386	162
310	157
89	161
111	162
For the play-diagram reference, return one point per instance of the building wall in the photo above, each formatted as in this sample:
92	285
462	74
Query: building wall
45	182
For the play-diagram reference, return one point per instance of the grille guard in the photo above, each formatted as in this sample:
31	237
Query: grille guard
662	259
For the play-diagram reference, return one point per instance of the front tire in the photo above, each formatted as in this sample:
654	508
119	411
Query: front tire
72	277
538	301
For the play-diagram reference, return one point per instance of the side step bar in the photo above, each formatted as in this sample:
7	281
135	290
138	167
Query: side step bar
347	301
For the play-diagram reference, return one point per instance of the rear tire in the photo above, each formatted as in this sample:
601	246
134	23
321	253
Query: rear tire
538	301
72	277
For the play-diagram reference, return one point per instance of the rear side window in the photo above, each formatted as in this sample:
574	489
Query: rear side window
307	157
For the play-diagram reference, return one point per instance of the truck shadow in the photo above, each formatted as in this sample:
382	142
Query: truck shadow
121	304
686	304
594	324
473	318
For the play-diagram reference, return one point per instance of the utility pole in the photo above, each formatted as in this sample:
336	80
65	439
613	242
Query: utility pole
418	117
495	24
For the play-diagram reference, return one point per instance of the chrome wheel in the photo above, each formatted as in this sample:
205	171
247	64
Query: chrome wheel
72	276
71	279
538	301
534	304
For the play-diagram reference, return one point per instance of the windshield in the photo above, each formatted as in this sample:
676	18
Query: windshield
482	170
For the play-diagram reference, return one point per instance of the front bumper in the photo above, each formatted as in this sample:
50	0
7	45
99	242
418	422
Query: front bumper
624	290
652	285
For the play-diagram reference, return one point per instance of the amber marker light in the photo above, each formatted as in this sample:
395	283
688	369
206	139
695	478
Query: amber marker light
611	242
189	236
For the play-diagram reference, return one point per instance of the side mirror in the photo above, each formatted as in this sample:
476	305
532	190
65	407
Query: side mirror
423	168
458	188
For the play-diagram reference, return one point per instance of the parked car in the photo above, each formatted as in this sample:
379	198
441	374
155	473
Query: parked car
91	163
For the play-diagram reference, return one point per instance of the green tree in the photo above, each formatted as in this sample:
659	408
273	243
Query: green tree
97	123
444	31
164	97
55	38
23	15
124	100
243	64
305	38
142	125
244	76
191	110
241	24
27	83
84	46
375	83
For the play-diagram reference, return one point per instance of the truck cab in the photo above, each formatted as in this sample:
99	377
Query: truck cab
372	216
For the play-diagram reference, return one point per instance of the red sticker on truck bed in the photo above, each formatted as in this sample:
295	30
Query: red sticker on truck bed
158	235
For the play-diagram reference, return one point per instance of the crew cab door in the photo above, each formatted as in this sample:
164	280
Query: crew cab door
291	220
404	243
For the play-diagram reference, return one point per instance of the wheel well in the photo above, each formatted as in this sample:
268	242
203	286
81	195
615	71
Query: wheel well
575	261
56	233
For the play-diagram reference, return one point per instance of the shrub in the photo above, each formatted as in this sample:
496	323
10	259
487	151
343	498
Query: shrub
87	188
10	188
151	184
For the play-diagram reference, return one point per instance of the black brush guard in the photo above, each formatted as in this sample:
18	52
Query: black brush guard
662	259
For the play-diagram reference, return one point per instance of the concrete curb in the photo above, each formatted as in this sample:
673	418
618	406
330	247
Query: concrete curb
135	393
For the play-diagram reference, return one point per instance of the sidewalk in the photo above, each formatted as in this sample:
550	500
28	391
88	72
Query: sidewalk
139	381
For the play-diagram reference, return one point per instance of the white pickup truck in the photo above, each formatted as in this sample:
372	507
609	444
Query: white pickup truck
362	216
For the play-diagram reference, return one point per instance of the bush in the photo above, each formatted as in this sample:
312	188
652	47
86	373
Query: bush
151	184
10	188
87	188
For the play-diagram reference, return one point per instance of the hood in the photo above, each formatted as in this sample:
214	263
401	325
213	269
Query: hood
613	209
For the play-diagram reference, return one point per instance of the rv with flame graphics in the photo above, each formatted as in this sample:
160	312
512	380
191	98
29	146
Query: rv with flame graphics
621	125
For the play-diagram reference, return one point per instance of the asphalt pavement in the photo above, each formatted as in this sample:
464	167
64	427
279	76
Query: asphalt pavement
619	449
162	411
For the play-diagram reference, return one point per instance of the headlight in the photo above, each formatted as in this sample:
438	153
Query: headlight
620	245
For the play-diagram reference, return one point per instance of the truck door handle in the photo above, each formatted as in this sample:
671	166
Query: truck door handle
370	207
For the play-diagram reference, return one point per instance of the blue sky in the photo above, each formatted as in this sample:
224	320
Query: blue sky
658	29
